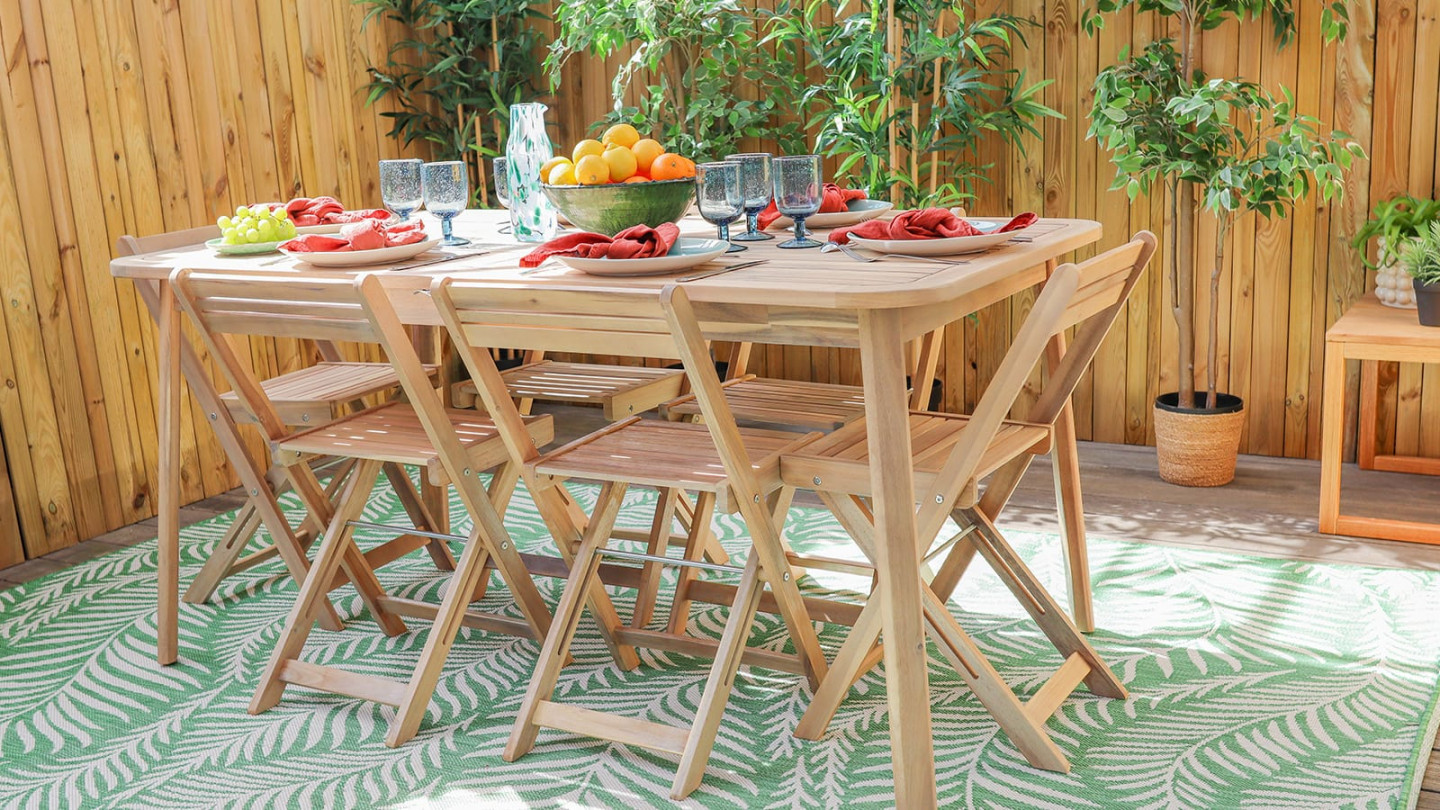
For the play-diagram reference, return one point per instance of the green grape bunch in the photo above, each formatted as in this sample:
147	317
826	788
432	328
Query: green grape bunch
256	224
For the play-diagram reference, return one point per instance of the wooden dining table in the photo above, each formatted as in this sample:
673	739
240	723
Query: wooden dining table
795	297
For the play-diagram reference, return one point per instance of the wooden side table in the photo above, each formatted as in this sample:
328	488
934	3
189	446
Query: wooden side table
1370	332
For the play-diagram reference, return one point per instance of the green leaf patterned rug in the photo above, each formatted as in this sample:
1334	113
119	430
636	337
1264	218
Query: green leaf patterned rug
1255	683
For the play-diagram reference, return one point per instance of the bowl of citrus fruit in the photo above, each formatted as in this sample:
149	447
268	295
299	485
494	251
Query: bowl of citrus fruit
618	181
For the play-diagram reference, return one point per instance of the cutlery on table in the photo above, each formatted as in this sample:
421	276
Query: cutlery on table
727	268
859	257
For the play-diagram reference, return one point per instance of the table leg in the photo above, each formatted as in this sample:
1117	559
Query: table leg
167	609
1369	413
897	560
1332	435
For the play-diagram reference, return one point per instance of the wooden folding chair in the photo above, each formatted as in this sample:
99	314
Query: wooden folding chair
450	447
951	454
307	397
734	467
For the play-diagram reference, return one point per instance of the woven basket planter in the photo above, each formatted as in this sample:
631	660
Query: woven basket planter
1197	447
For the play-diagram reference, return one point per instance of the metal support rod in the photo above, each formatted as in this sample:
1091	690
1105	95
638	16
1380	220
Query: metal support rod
360	524
638	557
960	535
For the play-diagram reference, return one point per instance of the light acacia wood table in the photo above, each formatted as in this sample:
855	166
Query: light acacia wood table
1370	332
799	297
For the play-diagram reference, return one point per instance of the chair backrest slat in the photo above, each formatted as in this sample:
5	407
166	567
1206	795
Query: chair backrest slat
128	245
276	305
561	319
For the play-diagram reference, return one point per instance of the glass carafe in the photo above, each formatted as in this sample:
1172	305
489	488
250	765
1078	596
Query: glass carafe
532	217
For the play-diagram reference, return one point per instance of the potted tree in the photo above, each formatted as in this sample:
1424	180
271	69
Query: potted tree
1420	258
1392	223
1224	146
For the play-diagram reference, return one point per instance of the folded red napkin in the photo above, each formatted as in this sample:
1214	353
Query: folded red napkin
926	223
369	234
635	242
308	211
832	199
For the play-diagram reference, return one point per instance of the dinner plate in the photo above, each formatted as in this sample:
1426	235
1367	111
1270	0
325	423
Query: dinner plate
363	258
857	212
687	253
247	249
941	247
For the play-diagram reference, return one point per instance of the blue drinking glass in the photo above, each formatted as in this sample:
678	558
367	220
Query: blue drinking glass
400	186
447	192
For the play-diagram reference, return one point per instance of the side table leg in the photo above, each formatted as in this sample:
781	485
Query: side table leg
1332	411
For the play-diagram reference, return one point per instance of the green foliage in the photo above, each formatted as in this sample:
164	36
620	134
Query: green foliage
447	64
1243	148
849	106
1420	255
1211	14
692	53
1396	221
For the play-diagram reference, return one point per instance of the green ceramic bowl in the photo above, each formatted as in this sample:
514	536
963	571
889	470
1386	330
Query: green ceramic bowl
612	208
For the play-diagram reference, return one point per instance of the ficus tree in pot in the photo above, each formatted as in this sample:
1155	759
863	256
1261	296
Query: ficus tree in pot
1223	146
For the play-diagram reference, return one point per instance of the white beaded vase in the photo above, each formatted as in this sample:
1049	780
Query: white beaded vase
1393	286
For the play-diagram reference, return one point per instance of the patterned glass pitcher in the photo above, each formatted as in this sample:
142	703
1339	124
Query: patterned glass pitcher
532	217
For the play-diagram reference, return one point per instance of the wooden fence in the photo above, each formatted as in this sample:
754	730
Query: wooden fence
130	116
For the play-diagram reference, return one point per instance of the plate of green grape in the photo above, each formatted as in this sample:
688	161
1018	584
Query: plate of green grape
253	229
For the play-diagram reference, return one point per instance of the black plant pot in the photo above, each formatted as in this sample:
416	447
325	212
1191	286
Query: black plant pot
1427	301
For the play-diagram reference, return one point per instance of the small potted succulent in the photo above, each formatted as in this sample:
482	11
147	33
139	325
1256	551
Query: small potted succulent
1420	258
1393	223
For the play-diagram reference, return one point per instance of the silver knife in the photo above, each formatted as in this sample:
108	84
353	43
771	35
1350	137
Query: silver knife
727	268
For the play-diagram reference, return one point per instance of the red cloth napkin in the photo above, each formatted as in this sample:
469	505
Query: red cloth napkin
832	199
635	242
368	234
926	223
308	211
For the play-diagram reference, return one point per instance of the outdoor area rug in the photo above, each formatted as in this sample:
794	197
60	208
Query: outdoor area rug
1254	683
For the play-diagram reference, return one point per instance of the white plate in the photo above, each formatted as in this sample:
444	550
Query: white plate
247	249
857	212
363	258
686	253
940	247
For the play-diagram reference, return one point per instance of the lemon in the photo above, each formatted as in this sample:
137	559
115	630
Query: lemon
562	174
646	150
622	163
620	135
551	164
592	170
589	146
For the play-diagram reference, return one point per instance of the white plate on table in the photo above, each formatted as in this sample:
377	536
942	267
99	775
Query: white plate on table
688	252
335	227
953	246
247	249
857	211
363	258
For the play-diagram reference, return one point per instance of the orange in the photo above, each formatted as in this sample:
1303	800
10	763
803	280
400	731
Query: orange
671	166
646	150
622	163
550	165
588	146
562	174
639	178
620	135
592	170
